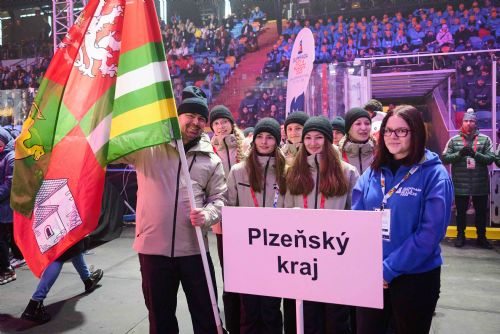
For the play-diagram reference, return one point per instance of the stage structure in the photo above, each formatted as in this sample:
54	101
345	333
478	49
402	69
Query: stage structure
64	14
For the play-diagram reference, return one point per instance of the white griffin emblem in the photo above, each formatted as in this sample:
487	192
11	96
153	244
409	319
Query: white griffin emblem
99	48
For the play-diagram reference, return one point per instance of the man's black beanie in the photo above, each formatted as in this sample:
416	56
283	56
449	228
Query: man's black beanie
298	117
195	105
270	125
352	115
321	124
338	124
220	111
193	91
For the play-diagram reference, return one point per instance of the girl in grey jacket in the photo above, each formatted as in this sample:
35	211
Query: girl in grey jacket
227	143
259	181
358	147
319	179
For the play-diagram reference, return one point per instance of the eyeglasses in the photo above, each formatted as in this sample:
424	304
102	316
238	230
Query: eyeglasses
400	133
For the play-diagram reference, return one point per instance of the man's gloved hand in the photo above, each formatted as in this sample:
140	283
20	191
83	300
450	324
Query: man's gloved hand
469	152
463	151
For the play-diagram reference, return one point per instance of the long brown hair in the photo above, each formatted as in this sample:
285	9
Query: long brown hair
417	140
332	181
255	170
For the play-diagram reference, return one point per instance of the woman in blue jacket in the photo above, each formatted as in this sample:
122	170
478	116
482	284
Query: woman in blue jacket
412	183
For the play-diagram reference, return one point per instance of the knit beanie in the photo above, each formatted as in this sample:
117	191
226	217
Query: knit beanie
469	116
248	131
298	117
195	105
352	115
220	111
270	125
321	124
338	124
193	91
374	105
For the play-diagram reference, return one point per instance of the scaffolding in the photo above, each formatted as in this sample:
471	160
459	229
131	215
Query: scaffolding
64	14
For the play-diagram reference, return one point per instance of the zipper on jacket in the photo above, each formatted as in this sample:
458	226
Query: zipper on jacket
175	207
317	183
228	156
360	162
265	183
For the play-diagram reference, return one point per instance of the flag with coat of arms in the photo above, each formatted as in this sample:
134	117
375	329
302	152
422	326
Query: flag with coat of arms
107	93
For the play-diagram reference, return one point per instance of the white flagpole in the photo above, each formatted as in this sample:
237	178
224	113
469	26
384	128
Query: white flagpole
199	235
299	314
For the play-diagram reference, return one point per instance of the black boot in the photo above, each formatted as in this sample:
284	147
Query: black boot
482	242
460	241
91	282
35	311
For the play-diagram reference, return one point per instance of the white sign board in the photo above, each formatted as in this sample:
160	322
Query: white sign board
330	256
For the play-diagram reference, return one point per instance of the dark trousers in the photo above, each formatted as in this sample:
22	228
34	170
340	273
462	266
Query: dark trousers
230	300
322	318
5	238
161	276
480	206
289	316
260	315
410	300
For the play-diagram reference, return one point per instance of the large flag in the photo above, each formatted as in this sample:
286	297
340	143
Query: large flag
106	93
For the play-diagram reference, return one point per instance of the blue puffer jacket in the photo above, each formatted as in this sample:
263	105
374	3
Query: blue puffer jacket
420	214
6	170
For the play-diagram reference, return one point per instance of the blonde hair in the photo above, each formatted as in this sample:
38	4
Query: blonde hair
238	134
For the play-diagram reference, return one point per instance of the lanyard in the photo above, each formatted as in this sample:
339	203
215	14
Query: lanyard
275	199
344	156
396	187
321	204
475	143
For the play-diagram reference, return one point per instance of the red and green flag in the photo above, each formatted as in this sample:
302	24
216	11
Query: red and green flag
106	93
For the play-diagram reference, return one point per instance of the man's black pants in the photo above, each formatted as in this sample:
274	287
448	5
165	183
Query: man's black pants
480	206
161	276
410	300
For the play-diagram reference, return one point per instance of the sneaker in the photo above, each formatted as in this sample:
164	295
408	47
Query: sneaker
91	282
17	263
35	311
460	241
483	243
8	276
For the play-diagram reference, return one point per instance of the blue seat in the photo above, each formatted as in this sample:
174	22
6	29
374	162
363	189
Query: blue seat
460	103
476	42
483	119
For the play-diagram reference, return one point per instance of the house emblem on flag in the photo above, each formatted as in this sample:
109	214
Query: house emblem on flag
55	213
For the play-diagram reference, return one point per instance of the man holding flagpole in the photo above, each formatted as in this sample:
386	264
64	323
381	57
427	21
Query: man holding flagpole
165	235
106	96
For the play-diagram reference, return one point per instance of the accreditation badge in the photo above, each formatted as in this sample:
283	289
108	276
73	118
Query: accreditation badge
471	163
386	224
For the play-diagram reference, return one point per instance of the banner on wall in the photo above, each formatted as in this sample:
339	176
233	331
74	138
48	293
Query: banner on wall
330	256
299	72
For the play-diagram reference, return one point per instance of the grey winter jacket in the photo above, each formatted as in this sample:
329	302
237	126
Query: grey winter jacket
290	151
314	197
227	150
238	186
163	226
359	155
